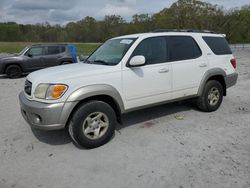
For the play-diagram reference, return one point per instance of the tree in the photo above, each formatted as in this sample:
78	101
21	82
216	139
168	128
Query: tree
183	14
190	14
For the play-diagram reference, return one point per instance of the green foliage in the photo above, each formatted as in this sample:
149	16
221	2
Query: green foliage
86	48
183	14
189	14
237	25
15	47
12	47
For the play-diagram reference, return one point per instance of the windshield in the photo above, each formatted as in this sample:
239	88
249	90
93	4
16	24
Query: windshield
20	53
111	52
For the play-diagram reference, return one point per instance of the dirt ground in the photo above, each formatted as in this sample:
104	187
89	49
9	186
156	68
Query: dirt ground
152	149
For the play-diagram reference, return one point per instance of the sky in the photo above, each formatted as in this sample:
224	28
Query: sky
63	11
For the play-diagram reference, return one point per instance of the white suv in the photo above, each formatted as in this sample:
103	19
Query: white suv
128	73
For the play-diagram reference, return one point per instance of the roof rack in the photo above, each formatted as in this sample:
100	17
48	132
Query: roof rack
182	30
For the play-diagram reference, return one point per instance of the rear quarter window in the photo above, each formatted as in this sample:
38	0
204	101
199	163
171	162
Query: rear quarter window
218	45
62	49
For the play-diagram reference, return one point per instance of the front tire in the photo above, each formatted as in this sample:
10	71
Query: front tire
93	124
212	96
13	71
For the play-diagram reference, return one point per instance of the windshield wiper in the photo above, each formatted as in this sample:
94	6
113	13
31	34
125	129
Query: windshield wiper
86	61
102	62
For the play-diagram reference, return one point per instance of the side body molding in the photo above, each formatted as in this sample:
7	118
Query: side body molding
209	74
95	90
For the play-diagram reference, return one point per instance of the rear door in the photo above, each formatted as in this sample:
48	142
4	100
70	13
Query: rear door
52	55
188	65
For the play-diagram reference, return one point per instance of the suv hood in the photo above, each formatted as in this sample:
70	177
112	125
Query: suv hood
62	73
9	57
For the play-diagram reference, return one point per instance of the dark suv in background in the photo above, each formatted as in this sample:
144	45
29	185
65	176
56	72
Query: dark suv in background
36	57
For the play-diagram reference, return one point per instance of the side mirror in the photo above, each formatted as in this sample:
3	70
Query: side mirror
137	61
30	55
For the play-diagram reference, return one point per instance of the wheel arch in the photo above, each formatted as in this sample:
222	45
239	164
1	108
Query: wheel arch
105	93
9	64
217	74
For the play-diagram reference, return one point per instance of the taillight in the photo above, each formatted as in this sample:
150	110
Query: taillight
233	62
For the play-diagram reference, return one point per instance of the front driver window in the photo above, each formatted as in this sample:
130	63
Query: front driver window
36	51
154	49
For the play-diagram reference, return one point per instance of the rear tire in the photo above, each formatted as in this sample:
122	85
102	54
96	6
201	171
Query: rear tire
212	96
13	71
93	124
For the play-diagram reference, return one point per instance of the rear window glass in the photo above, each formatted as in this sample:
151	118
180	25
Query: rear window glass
62	49
218	45
182	48
51	50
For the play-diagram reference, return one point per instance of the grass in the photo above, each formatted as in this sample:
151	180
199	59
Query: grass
15	47
86	48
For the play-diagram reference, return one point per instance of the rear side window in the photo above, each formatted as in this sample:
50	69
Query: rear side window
182	48
62	49
50	50
218	45
153	49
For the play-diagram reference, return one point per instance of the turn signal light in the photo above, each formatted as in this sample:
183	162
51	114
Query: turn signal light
57	91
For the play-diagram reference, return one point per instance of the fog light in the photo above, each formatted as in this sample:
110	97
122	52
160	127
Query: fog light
37	119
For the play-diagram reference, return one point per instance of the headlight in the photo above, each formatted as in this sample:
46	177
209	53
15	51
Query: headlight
50	91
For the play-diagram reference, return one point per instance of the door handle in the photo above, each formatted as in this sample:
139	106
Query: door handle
164	70
203	65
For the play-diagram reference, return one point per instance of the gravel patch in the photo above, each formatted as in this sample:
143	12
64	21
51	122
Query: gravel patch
173	145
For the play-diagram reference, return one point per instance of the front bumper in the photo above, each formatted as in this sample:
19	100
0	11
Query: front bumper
45	116
231	79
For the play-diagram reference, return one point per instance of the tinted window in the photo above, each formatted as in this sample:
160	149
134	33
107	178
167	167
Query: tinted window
153	49
62	49
218	45
50	50
36	51
182	48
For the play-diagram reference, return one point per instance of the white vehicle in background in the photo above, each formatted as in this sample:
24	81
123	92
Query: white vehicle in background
128	73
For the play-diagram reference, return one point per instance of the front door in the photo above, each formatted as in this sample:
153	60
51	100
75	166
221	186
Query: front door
150	83
34	59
